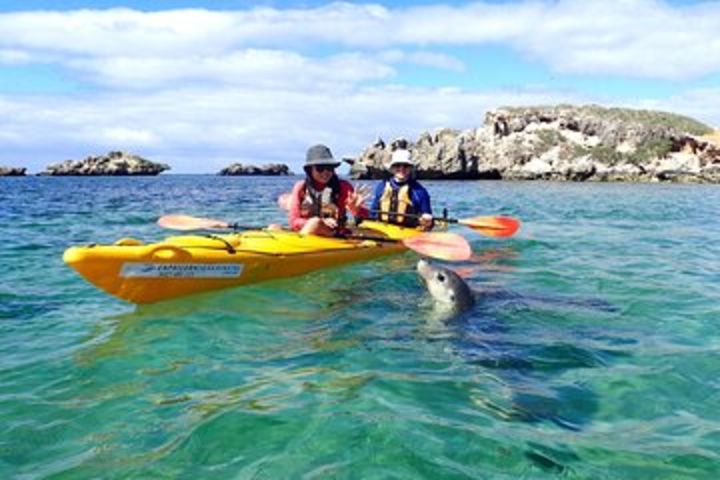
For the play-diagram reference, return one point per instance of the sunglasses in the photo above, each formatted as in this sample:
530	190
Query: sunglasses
324	168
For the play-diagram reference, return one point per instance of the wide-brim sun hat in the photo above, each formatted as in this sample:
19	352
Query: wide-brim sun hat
401	157
320	155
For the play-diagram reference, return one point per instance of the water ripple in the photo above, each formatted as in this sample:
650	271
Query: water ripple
592	351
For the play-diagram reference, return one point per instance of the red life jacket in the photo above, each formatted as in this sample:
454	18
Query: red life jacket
324	203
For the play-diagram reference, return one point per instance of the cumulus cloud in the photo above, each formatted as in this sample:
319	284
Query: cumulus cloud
702	104
269	68
201	130
644	38
14	57
424	58
639	38
199	88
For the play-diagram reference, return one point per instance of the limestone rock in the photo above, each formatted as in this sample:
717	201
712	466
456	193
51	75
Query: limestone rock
12	171
272	169
114	163
564	143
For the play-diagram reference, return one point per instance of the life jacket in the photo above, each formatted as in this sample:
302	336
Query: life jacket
323	203
397	202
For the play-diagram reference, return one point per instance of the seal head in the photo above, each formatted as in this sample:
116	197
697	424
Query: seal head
445	286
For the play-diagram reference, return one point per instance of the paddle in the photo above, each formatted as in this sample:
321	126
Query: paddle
443	246
491	226
186	223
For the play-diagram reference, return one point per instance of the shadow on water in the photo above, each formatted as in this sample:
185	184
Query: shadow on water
16	307
532	372
534	366
535	375
274	309
554	460
244	355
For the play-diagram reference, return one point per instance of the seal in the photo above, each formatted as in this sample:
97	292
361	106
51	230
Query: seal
446	286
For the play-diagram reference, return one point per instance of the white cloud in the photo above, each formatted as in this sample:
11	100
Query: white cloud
268	68
125	135
643	38
424	58
633	38
117	32
201	130
14	57
702	104
198	89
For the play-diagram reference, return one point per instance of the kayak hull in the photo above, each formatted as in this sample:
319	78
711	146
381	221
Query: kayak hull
189	264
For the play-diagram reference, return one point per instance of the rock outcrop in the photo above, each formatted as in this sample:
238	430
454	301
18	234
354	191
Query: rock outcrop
12	171
272	169
568	143
114	163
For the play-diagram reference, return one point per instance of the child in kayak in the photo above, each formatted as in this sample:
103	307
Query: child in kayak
318	204
401	199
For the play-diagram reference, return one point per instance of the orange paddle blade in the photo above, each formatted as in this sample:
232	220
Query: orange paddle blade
445	246
493	226
186	222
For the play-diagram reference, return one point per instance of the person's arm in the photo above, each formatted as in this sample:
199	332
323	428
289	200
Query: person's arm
296	221
423	200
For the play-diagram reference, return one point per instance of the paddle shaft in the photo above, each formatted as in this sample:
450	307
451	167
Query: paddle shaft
490	226
237	226
415	215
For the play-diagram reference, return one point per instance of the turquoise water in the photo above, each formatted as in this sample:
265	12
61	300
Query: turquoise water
593	350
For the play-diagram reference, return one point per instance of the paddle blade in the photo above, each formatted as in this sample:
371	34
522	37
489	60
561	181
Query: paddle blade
284	201
493	226
442	245
186	222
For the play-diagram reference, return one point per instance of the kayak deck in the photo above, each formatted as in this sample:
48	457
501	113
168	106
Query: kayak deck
187	264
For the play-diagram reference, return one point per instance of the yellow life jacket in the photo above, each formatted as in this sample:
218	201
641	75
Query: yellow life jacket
318	203
397	202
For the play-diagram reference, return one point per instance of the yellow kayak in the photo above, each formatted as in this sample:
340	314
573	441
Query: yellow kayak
187	264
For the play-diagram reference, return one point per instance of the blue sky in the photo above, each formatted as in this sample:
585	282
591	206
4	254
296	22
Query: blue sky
199	85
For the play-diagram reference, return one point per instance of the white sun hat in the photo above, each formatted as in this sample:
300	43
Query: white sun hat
401	156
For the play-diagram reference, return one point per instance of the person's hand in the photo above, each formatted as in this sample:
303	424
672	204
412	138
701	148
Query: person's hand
426	221
357	198
330	222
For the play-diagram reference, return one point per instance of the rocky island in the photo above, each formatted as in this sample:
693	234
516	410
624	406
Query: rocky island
12	172
566	143
114	163
272	169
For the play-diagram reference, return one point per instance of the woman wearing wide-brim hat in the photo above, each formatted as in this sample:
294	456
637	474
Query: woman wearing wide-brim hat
319	203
